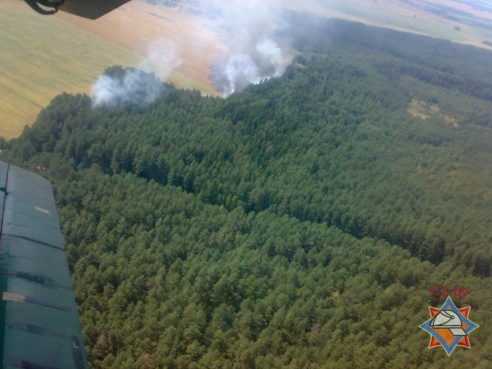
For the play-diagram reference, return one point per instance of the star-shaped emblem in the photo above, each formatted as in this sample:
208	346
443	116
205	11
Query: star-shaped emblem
449	326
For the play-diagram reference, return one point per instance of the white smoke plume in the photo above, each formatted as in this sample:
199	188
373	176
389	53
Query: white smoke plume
252	53
139	86
238	70
134	85
163	56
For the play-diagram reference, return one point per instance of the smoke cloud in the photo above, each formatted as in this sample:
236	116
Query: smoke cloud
252	52
163	56
139	86
238	70
134	85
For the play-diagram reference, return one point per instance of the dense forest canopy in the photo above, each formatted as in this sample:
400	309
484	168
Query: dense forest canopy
298	224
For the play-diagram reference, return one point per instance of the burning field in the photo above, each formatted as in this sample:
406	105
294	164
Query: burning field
165	39
215	46
218	48
229	45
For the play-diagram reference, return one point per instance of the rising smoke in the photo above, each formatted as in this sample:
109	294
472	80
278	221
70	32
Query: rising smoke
137	85
133	85
252	53
240	69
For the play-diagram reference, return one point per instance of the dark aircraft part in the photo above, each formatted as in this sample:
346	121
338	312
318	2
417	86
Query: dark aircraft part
91	9
39	323
34	4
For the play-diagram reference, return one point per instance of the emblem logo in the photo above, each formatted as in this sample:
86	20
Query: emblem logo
449	326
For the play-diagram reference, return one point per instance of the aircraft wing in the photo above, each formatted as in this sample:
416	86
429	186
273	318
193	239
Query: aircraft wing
91	9
39	322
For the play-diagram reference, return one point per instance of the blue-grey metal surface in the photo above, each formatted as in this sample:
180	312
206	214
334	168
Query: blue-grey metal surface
39	323
3	175
4	167
30	208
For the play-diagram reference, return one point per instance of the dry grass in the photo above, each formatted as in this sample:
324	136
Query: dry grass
425	110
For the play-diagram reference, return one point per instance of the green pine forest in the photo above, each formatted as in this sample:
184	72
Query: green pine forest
297	224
